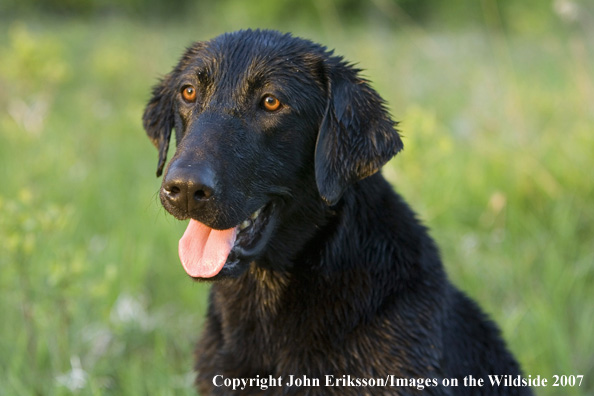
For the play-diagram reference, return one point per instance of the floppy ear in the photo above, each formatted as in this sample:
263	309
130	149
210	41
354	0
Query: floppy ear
158	119
356	135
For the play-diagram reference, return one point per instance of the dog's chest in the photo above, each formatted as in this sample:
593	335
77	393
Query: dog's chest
280	325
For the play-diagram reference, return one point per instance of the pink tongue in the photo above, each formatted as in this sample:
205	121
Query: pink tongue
203	251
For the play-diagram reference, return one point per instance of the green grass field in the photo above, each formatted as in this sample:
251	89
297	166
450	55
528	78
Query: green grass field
498	161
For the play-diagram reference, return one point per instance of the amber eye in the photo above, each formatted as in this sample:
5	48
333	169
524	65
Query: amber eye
189	93
271	103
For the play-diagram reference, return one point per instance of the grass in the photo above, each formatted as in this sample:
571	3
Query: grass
497	161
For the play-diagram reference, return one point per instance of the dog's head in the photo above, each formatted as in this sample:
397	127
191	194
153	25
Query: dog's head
258	115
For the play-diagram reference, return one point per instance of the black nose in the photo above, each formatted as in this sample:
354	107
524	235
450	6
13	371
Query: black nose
188	187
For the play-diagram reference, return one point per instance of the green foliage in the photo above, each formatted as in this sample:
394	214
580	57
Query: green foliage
532	15
497	161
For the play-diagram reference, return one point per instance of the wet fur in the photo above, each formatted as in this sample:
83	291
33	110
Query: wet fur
351	283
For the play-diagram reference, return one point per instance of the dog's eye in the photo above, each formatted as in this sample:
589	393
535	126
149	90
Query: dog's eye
270	103
189	93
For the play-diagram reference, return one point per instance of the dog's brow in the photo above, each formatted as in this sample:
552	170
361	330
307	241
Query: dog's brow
255	80
257	75
197	71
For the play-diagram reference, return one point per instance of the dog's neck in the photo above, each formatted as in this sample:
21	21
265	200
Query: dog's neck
321	231
266	303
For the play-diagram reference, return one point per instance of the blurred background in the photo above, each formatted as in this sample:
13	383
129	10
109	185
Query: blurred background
496	103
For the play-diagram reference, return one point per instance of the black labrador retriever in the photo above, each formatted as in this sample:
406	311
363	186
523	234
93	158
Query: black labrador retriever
323	280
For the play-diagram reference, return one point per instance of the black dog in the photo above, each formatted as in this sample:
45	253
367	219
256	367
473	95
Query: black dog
324	282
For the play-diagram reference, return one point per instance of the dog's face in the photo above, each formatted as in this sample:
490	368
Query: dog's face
259	116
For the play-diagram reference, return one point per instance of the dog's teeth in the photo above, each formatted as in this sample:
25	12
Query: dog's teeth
256	214
245	225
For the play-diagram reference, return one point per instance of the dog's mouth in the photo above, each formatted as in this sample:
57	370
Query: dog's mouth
206	252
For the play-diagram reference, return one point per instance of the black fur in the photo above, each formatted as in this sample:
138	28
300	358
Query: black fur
347	282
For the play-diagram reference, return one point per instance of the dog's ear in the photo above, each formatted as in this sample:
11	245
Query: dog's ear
356	136
158	119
